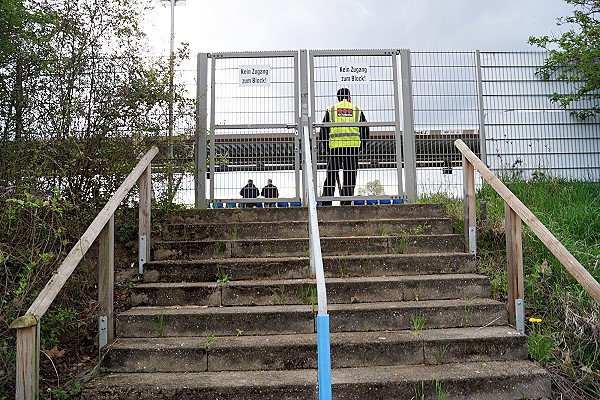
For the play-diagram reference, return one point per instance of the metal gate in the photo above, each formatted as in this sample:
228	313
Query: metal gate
253	132
371	79
258	101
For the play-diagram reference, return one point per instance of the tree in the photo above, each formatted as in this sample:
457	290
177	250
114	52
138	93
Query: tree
372	188
575	57
80	99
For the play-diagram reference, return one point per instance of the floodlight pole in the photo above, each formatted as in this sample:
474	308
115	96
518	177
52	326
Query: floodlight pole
171	98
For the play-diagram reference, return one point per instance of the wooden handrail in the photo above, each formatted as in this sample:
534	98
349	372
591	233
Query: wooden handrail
28	325
585	279
55	284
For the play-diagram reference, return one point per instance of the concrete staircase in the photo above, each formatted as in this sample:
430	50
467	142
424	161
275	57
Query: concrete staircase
227	311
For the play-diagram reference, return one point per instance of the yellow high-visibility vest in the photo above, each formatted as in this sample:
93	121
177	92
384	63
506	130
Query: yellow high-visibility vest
344	136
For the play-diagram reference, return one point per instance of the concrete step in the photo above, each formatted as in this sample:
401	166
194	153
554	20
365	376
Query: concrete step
406	244
431	314
507	380
294	319
285	352
209	270
342	213
303	291
299	229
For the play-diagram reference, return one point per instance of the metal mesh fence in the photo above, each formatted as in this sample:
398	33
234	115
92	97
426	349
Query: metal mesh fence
445	108
526	133
494	101
370	78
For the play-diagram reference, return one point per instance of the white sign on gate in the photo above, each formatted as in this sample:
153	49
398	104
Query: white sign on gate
358	73
255	75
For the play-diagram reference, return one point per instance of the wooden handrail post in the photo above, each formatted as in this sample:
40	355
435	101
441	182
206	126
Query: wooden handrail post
469	205
145	188
514	257
28	357
106	273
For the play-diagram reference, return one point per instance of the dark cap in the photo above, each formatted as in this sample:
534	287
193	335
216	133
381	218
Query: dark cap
343	93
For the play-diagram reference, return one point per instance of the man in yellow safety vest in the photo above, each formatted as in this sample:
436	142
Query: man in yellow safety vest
344	144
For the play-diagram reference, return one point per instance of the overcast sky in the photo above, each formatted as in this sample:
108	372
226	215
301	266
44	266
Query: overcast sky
238	25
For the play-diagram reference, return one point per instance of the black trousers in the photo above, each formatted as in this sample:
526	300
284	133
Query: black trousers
345	158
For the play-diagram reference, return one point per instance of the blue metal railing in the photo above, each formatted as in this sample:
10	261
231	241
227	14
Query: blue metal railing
316	267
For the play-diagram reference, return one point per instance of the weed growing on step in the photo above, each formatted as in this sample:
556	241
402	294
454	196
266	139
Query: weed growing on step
383	231
279	293
419	392
366	267
366	327
185	232
418	322
363	356
440	392
239	332
449	266
161	324
220	248
306	250
127	304
309	295
210	339
342	267
441	354
401	243
468	314
417	294
234	234
421	229
222	277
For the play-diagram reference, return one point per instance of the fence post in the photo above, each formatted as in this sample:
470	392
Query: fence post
514	257
398	127
28	357
201	131
145	188
480	107
410	159
303	121
469	205
106	269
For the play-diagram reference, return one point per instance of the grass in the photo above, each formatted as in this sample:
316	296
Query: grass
220	248
418	322
309	295
342	267
567	339
279	294
161	325
441	354
222	277
384	231
401	243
